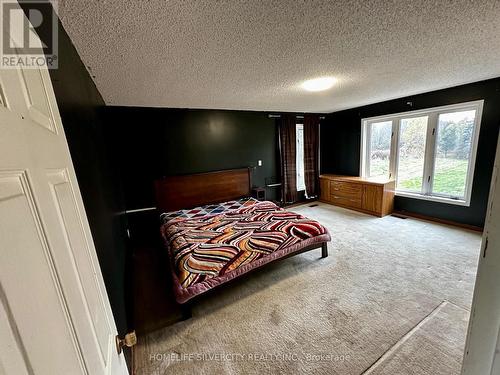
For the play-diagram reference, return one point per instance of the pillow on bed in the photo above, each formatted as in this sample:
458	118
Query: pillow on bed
210	209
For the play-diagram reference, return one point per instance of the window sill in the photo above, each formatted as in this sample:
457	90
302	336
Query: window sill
431	198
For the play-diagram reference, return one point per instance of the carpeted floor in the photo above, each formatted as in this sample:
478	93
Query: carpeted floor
392	297
434	346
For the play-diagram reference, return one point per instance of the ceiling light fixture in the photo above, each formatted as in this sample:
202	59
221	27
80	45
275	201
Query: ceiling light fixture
319	84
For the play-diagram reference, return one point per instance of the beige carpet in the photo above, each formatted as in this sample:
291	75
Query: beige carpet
375	304
434	346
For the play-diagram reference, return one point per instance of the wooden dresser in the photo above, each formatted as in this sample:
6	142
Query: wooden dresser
369	195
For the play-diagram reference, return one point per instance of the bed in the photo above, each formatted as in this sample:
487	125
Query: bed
214	232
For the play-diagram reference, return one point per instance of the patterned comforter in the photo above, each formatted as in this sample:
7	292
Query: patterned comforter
210	209
209	250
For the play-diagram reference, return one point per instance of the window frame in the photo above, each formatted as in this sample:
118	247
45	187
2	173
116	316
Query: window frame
366	145
429	153
430	149
301	126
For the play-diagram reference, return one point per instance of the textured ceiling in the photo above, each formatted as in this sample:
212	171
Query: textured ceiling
254	54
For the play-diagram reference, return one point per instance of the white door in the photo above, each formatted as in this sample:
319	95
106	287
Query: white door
482	354
55	316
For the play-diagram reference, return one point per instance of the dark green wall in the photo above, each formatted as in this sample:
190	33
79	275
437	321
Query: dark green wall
79	103
341	137
149	143
115	146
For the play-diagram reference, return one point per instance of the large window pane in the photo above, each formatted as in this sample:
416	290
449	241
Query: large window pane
412	137
299	154
380	148
453	150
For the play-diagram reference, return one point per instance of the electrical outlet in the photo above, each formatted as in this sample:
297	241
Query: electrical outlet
260	163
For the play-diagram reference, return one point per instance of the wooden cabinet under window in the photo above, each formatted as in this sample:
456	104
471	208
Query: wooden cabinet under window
372	196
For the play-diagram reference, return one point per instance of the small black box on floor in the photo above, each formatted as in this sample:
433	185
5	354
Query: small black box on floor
259	193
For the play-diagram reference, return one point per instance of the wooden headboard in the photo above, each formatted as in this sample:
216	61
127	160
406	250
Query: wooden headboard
192	190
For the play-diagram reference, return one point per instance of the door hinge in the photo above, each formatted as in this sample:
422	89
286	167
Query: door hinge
485	247
433	131
129	340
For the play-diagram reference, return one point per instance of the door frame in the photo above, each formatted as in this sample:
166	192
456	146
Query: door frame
482	347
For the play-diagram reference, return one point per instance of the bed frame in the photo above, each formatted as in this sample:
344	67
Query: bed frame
186	307
193	190
209	188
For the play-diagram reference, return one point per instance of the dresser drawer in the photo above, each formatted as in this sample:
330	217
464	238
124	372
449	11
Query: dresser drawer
343	201
346	189
370	195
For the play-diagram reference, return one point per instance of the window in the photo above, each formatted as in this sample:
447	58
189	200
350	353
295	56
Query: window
380	148
411	146
430	153
299	135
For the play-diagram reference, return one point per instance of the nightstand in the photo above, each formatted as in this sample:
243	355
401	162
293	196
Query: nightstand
259	193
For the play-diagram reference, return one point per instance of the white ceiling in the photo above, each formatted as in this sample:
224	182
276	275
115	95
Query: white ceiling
254	54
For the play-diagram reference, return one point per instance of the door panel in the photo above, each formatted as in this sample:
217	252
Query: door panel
55	310
13	359
495	369
3	101
24	243
35	95
77	261
79	257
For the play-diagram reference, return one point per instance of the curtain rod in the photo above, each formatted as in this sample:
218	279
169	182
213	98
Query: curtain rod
298	116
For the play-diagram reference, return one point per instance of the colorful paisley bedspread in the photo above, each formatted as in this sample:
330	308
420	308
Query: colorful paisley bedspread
216	245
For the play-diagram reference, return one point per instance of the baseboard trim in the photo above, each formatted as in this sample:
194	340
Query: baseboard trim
406	214
301	203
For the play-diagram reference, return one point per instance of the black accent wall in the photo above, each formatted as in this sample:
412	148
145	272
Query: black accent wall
149	143
119	151
341	138
79	103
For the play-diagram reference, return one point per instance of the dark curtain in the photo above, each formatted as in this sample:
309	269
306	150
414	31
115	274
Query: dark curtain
286	126
311	155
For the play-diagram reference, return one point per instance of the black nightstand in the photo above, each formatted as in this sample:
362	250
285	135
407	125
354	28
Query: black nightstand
259	193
